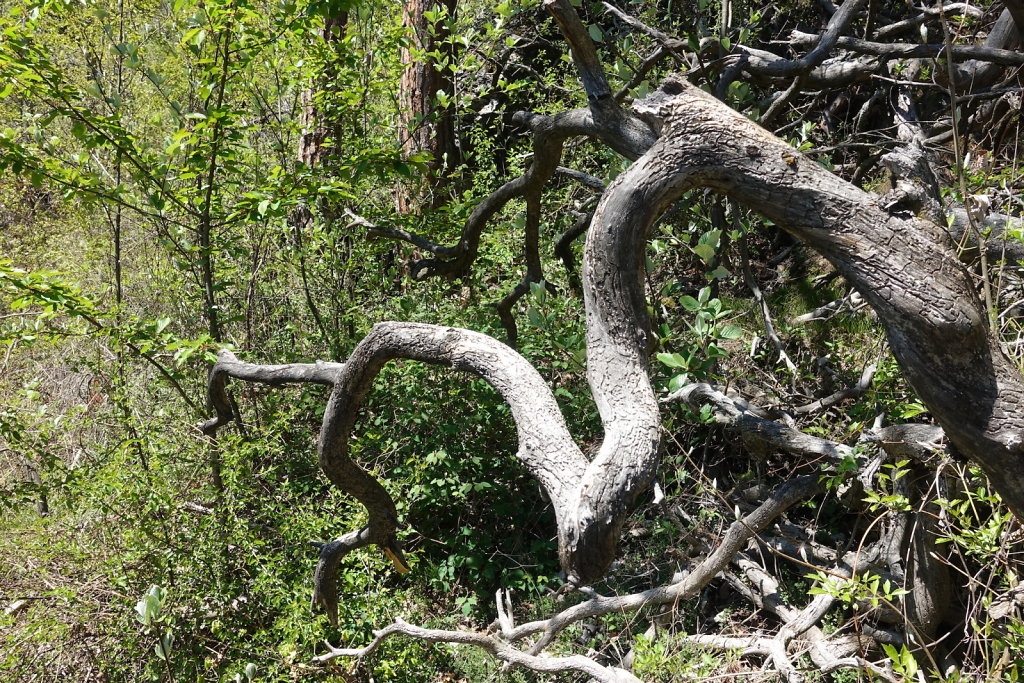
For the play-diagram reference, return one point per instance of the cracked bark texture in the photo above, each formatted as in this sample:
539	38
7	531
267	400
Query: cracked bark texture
906	269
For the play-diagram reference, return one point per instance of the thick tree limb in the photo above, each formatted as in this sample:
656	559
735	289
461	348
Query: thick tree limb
936	325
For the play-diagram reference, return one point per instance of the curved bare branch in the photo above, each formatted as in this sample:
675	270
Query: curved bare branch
497	648
228	366
981	53
741	418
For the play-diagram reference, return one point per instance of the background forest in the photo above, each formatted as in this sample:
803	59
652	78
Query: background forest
275	177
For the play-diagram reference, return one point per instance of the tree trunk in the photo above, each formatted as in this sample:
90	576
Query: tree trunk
314	133
314	129
906	269
425	125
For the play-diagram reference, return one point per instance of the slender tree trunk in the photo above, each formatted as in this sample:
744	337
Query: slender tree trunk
316	130
425	125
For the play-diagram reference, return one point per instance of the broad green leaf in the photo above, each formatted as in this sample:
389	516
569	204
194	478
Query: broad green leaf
673	360
730	332
705	252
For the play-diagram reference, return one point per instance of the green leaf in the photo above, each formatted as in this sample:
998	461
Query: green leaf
689	303
673	360
730	332
142	611
678	382
705	252
596	34
712	238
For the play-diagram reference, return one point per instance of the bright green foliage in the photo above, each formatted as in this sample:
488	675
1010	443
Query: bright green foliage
703	345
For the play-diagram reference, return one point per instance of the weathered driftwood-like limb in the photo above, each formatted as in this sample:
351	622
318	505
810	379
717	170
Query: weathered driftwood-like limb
615	125
936	325
497	648
549	134
784	98
740	418
584	54
545	445
544	442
